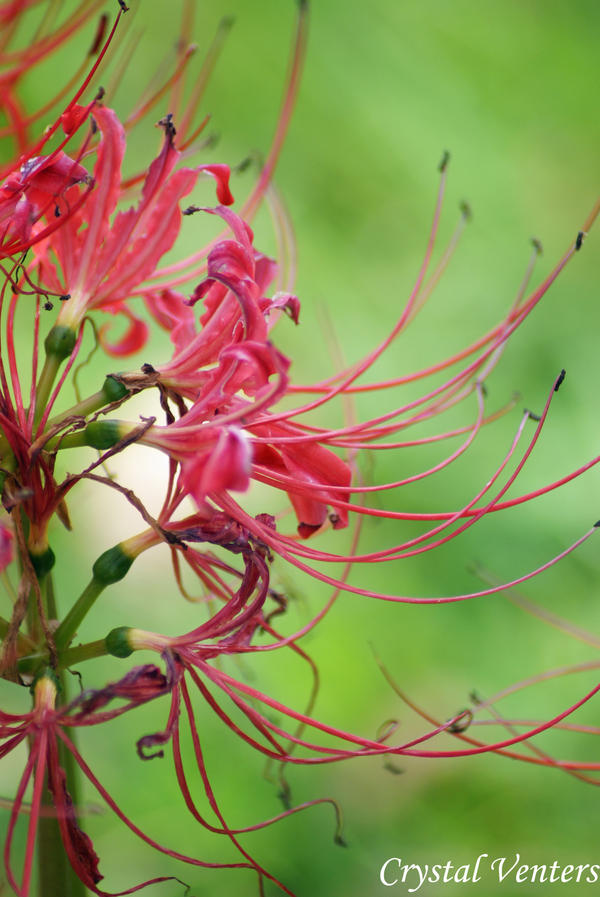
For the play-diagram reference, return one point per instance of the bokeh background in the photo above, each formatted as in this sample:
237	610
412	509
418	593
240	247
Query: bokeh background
508	89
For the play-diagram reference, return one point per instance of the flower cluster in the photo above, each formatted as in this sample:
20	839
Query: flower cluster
79	237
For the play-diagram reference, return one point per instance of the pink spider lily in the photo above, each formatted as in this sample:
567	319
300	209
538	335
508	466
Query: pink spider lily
103	261
40	183
236	311
47	728
35	183
189	657
118	274
233	416
222	439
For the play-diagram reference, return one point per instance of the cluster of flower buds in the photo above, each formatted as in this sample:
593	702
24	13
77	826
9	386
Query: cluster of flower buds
79	238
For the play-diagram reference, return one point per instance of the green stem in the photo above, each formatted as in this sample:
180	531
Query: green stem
45	384
55	871
43	562
72	621
84	652
99	434
59	344
112	391
68	440
56	876
110	567
36	659
82	409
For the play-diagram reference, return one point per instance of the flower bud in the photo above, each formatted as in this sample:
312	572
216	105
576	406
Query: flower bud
103	434
42	561
117	642
113	389
60	342
112	565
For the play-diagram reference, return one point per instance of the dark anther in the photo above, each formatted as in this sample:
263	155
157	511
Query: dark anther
56	212
227	22
475	697
244	165
391	767
537	245
334	518
561	377
190	210
93	125
148	369
285	796
597	524
99	38
99	94
463	721
211	140
123	5
466	210
64	297
14	289
579	241
48	305
531	414
444	162
167	124
172	538
281	602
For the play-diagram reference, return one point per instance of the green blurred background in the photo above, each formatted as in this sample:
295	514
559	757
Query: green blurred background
508	89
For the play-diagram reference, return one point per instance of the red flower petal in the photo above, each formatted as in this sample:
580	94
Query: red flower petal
134	339
221	174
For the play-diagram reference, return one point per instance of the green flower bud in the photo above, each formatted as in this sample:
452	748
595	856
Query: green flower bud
42	562
60	342
111	566
103	434
117	642
113	389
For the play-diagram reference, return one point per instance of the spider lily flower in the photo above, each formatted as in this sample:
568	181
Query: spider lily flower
208	441
236	311
48	727
103	259
190	662
35	183
211	440
181	662
223	393
42	726
38	187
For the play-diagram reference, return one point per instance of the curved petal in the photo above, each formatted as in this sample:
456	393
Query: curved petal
134	339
